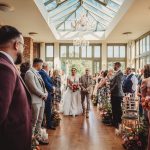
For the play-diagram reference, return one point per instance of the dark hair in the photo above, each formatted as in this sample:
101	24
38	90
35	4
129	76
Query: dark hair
37	60
117	64
147	71
105	73
24	67
8	33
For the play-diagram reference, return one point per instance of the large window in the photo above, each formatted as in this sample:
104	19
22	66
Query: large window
87	54
142	51
49	54
116	52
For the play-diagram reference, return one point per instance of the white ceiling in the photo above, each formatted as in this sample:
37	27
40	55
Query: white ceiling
136	20
27	18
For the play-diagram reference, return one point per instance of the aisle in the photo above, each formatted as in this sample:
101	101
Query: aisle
80	133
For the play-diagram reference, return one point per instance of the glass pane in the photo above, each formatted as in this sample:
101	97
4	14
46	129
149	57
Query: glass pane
122	52
144	48
77	51
63	51
116	51
49	51
71	51
97	51
141	47
89	51
148	60
148	43
83	51
110	65
110	51
137	48
115	7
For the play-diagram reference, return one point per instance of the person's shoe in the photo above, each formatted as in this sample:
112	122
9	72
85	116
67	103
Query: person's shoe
51	127
43	142
87	115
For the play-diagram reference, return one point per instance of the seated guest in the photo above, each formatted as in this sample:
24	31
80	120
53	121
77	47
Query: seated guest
50	88
39	95
15	99
116	95
130	82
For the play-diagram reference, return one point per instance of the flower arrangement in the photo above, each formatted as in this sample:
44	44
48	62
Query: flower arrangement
75	87
106	113
136	139
146	103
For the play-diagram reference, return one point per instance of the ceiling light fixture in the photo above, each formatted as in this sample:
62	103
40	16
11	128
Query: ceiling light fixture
6	7
32	33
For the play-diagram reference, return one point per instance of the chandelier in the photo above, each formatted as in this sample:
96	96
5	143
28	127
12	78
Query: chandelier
81	42
83	23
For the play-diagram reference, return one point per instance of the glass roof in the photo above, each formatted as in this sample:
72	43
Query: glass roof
65	14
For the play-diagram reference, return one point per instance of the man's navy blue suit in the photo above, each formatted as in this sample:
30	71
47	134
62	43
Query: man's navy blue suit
48	104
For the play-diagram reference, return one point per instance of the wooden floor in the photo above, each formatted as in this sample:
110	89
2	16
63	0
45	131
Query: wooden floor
80	133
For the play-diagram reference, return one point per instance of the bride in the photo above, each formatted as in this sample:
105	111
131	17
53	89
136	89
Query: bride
72	97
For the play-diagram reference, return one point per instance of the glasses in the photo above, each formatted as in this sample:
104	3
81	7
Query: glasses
24	46
73	70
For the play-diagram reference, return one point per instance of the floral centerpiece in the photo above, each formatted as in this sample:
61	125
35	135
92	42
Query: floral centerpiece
136	139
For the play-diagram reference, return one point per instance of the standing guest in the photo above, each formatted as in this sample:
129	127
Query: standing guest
145	87
130	82
50	88
24	67
63	82
39	94
116	95
139	94
103	90
86	89
57	83
15	99
51	72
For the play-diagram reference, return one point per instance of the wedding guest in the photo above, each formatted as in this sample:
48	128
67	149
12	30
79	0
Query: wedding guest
130	82
86	88
57	83
116	95
39	95
63	82
50	88
145	87
103	89
24	67
15	99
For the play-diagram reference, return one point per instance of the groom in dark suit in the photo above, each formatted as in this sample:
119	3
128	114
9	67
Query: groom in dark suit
15	99
50	88
116	94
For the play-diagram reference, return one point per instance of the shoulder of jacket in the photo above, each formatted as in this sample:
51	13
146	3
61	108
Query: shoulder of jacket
8	66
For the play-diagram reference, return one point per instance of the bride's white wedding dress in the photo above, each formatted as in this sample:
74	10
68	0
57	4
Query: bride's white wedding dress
72	100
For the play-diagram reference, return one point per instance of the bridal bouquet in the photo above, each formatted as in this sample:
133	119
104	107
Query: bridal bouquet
146	103
75	87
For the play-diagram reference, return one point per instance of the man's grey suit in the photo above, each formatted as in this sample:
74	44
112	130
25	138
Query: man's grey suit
86	89
116	97
37	89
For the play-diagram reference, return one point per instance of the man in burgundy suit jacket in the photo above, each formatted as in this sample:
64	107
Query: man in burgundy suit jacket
15	110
